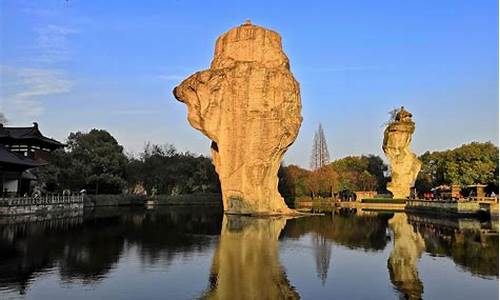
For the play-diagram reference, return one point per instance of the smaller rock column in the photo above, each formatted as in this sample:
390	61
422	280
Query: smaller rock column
404	163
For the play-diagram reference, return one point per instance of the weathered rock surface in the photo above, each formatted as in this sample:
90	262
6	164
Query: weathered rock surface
248	104
404	163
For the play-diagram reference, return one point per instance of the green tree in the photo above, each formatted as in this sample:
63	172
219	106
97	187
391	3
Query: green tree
292	182
163	169
94	161
3	119
366	172
474	163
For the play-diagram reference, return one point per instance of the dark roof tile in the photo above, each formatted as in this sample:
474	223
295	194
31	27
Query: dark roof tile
21	133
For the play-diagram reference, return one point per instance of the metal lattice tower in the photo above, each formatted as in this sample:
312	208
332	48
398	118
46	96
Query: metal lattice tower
319	156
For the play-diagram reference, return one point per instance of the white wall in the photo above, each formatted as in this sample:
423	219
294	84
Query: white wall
11	185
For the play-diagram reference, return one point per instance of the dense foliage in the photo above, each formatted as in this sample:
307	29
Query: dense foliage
355	173
474	163
163	170
361	173
96	162
93	161
3	119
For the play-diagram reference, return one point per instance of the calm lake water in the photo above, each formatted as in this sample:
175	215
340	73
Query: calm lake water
196	252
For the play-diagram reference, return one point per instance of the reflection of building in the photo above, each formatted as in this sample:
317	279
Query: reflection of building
471	244
22	148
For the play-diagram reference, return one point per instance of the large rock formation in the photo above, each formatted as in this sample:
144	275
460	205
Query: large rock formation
404	163
248	104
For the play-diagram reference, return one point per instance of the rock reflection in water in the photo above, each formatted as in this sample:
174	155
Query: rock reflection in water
246	263
172	252
408	246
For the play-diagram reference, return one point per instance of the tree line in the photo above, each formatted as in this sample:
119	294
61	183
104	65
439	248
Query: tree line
465	165
96	162
474	163
352	173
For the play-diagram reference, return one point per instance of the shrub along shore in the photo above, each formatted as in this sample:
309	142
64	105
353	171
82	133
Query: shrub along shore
212	199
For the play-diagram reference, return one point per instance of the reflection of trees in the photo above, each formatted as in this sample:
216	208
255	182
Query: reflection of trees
26	249
473	249
90	256
246	263
477	253
402	264
162	236
367	232
322	252
90	248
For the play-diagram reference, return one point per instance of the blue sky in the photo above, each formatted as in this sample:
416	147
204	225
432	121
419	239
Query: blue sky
76	65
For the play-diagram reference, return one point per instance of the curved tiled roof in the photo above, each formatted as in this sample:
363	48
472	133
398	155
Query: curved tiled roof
25	133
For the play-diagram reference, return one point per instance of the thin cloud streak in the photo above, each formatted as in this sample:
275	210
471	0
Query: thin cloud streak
52	42
22	88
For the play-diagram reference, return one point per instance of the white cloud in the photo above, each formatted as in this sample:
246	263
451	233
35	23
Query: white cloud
23	88
41	82
52	43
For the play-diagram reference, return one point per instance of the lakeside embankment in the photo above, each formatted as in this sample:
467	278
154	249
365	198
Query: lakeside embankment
139	200
451	208
49	207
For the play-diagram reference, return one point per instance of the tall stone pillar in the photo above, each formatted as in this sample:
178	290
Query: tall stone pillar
248	104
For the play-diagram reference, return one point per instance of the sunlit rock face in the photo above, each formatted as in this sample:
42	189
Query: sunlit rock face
246	262
404	163
408	246
248	104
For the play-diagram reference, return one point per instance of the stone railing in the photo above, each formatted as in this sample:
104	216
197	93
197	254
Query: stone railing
30	205
53	199
460	207
483	199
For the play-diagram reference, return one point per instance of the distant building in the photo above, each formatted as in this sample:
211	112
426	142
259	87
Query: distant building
445	192
360	195
21	149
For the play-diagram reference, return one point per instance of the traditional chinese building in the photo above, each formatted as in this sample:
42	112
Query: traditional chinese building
22	149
